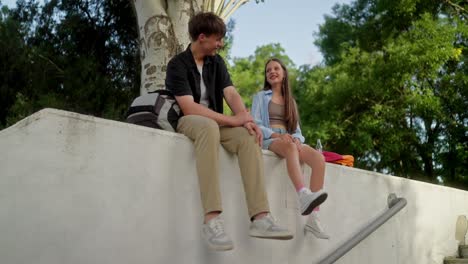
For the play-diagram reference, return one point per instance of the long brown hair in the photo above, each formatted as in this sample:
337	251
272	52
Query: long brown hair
291	115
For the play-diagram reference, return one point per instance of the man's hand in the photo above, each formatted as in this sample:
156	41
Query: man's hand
241	118
255	131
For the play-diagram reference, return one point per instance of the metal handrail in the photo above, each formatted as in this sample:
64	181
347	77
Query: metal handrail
394	206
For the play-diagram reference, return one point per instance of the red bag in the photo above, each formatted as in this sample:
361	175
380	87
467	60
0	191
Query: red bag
332	157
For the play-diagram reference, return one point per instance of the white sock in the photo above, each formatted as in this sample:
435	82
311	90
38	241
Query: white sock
303	189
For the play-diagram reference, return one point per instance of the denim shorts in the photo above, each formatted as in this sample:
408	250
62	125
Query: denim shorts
267	142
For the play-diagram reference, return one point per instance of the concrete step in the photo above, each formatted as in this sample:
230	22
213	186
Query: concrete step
452	260
463	251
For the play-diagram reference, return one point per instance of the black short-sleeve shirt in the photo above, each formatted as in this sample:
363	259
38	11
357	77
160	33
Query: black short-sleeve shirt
183	78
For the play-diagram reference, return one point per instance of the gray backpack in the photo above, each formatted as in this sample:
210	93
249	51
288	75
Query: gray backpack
158	109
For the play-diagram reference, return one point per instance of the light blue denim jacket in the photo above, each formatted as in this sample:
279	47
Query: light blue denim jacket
262	117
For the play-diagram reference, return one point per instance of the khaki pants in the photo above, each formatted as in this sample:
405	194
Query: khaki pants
207	135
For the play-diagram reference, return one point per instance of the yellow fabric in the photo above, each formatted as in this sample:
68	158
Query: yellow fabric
347	160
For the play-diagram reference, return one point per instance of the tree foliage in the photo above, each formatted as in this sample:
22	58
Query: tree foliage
76	55
393	90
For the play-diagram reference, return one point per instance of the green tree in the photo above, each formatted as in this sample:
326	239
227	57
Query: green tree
13	57
75	55
368	24
393	90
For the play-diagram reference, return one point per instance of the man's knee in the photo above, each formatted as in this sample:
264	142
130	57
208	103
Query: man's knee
210	129
244	137
203	126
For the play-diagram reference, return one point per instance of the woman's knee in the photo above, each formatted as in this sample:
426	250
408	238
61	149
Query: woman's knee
312	153
290	149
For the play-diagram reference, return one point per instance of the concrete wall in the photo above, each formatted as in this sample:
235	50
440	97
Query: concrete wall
78	189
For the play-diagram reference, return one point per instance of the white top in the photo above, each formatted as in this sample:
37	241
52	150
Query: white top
203	94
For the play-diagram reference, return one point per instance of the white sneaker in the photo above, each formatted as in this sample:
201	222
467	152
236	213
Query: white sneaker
309	200
214	235
314	226
266	227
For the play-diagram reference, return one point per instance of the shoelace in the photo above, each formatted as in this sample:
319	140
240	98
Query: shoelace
270	219
218	227
319	225
316	223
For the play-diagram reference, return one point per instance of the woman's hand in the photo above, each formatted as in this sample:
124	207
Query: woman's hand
284	137
298	144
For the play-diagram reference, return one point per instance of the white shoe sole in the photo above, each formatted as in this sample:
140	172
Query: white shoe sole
316	233
283	236
219	247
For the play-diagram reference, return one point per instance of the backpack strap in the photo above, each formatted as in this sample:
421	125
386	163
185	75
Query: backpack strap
163	92
140	108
